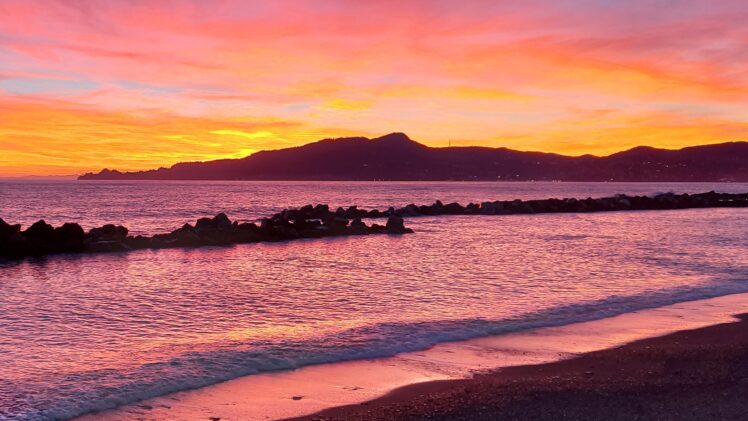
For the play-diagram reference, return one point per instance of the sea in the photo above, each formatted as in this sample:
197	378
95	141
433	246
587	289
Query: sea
83	333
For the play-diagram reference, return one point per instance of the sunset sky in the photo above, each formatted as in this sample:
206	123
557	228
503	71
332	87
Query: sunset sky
141	84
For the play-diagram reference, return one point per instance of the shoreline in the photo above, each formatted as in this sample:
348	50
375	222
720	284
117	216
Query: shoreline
321	390
691	374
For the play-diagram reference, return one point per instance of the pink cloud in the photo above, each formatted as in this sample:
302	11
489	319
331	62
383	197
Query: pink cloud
470	65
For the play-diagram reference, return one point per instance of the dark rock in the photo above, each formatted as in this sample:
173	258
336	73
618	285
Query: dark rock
40	230
187	238
425	210
396	225
335	225
7	230
487	208
453	209
409	210
204	224
377	229
358	227
246	232
69	237
107	246
221	221
41	237
108	232
321	211
17	246
138	242
472	209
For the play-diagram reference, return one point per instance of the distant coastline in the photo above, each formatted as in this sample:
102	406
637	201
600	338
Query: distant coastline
395	157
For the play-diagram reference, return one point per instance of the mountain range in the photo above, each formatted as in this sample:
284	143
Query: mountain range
397	157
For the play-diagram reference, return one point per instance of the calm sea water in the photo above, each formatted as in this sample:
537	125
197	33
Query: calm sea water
81	333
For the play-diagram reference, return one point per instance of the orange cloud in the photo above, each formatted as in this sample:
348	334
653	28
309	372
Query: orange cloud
92	84
37	138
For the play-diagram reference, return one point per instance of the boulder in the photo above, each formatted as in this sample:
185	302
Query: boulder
69	237
396	225
453	209
409	210
138	242
472	209
377	229
7	230
40	230
487	208
354	212
189	239
358	227
247	232
16	246
320	211
204	224
108	232
107	246
221	221
41	237
336	225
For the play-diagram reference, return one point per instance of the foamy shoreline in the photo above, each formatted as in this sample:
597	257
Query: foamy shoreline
314	388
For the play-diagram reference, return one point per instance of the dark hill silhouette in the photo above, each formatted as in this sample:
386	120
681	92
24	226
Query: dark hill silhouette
397	157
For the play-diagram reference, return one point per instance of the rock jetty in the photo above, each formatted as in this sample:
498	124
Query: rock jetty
619	202
320	221
42	238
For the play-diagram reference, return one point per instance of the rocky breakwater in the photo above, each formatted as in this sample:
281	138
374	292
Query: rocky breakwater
320	221
619	202
42	238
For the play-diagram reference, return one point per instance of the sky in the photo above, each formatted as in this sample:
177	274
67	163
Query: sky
86	85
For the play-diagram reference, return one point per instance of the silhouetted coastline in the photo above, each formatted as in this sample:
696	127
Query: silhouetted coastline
396	157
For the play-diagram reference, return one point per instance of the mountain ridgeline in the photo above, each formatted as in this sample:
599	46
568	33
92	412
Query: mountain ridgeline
397	157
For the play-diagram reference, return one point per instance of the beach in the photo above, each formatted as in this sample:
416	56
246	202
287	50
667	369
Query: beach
627	366
373	210
695	374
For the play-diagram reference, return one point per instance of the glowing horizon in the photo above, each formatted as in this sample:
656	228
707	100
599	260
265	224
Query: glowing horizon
139	85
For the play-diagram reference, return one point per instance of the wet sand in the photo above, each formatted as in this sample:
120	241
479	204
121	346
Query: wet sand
694	374
465	380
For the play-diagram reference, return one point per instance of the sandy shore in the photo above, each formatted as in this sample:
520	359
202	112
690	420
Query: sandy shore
575	371
693	374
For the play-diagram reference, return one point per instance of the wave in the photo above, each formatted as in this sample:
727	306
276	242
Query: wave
107	389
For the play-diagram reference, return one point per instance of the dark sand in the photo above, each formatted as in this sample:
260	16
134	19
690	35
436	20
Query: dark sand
695	374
